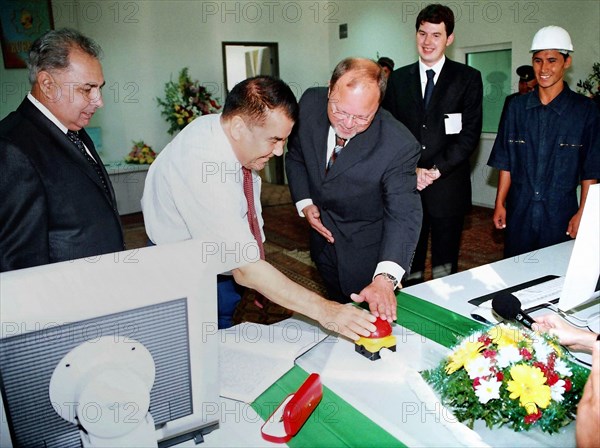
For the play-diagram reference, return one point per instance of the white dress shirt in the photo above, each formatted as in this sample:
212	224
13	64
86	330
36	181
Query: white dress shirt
437	68
194	189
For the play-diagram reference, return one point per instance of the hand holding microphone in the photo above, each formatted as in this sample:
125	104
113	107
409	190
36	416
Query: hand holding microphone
509	307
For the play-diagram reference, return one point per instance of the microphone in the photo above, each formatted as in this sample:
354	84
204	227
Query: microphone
509	307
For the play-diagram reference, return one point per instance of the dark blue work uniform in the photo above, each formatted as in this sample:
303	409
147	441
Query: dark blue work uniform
548	150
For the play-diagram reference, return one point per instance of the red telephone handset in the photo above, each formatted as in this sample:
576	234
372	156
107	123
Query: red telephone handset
293	412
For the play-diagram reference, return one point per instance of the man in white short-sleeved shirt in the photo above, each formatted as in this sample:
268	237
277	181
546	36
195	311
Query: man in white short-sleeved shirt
195	189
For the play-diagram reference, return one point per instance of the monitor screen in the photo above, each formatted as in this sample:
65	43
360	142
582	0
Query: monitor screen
583	272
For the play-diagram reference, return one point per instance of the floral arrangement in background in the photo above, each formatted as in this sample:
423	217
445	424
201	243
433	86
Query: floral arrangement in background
509	375
591	86
141	153
184	101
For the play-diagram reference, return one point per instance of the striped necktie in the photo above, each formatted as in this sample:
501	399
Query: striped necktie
74	137
339	145
252	218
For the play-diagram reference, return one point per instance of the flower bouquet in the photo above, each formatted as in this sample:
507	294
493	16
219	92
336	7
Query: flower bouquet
184	101
510	376
141	153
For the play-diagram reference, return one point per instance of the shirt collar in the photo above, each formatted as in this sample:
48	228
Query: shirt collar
331	138
44	110
558	104
437	68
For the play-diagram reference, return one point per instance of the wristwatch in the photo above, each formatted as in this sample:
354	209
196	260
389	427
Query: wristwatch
390	278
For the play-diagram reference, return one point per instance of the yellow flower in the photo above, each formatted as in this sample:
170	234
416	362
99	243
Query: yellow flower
504	336
462	355
557	348
180	121
529	385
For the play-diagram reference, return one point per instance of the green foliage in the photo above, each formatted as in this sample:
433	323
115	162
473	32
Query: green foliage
591	85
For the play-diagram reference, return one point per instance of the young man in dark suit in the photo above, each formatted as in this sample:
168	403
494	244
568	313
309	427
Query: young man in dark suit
57	201
440	102
351	169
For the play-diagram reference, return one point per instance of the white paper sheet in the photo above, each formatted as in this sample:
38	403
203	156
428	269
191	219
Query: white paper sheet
453	123
253	356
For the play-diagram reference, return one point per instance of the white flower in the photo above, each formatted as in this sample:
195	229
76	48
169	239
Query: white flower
488	390
478	367
557	390
508	355
542	350
562	368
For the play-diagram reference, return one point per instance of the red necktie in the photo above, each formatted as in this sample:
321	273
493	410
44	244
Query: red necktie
339	145
252	218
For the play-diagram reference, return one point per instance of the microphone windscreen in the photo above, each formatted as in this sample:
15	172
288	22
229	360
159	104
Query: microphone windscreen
506	305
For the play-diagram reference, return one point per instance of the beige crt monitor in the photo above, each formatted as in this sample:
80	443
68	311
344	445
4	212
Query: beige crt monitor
583	272
140	324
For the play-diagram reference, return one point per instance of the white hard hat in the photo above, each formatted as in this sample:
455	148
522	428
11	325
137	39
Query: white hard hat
552	38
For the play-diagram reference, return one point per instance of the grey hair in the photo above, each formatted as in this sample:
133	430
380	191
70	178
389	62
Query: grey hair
51	51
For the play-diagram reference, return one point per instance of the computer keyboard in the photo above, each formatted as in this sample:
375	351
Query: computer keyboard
548	291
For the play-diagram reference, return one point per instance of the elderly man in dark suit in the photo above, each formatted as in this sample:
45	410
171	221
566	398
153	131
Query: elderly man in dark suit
57	201
351	169
440	101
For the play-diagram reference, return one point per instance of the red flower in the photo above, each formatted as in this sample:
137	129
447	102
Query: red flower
525	354
500	376
541	366
568	385
552	378
532	418
551	361
489	353
476	383
484	339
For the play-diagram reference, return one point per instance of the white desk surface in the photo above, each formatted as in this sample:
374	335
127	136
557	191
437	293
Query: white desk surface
240	426
454	292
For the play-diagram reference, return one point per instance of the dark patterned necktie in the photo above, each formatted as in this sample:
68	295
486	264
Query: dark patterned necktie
74	137
339	145
252	218
428	87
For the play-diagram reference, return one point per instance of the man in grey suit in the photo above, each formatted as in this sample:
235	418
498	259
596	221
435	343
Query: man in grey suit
352	173
57	201
440	102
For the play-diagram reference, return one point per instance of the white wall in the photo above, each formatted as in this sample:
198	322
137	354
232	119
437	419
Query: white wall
147	42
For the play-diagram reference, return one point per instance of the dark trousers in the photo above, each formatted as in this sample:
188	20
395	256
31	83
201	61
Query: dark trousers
229	294
326	263
445	245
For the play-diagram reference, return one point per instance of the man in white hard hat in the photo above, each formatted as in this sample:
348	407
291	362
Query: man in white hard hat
548	144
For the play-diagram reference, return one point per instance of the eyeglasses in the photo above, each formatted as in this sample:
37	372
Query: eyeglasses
358	119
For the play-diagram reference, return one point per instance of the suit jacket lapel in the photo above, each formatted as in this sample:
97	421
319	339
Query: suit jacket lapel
66	146
442	84
356	149
90	145
319	137
415	88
